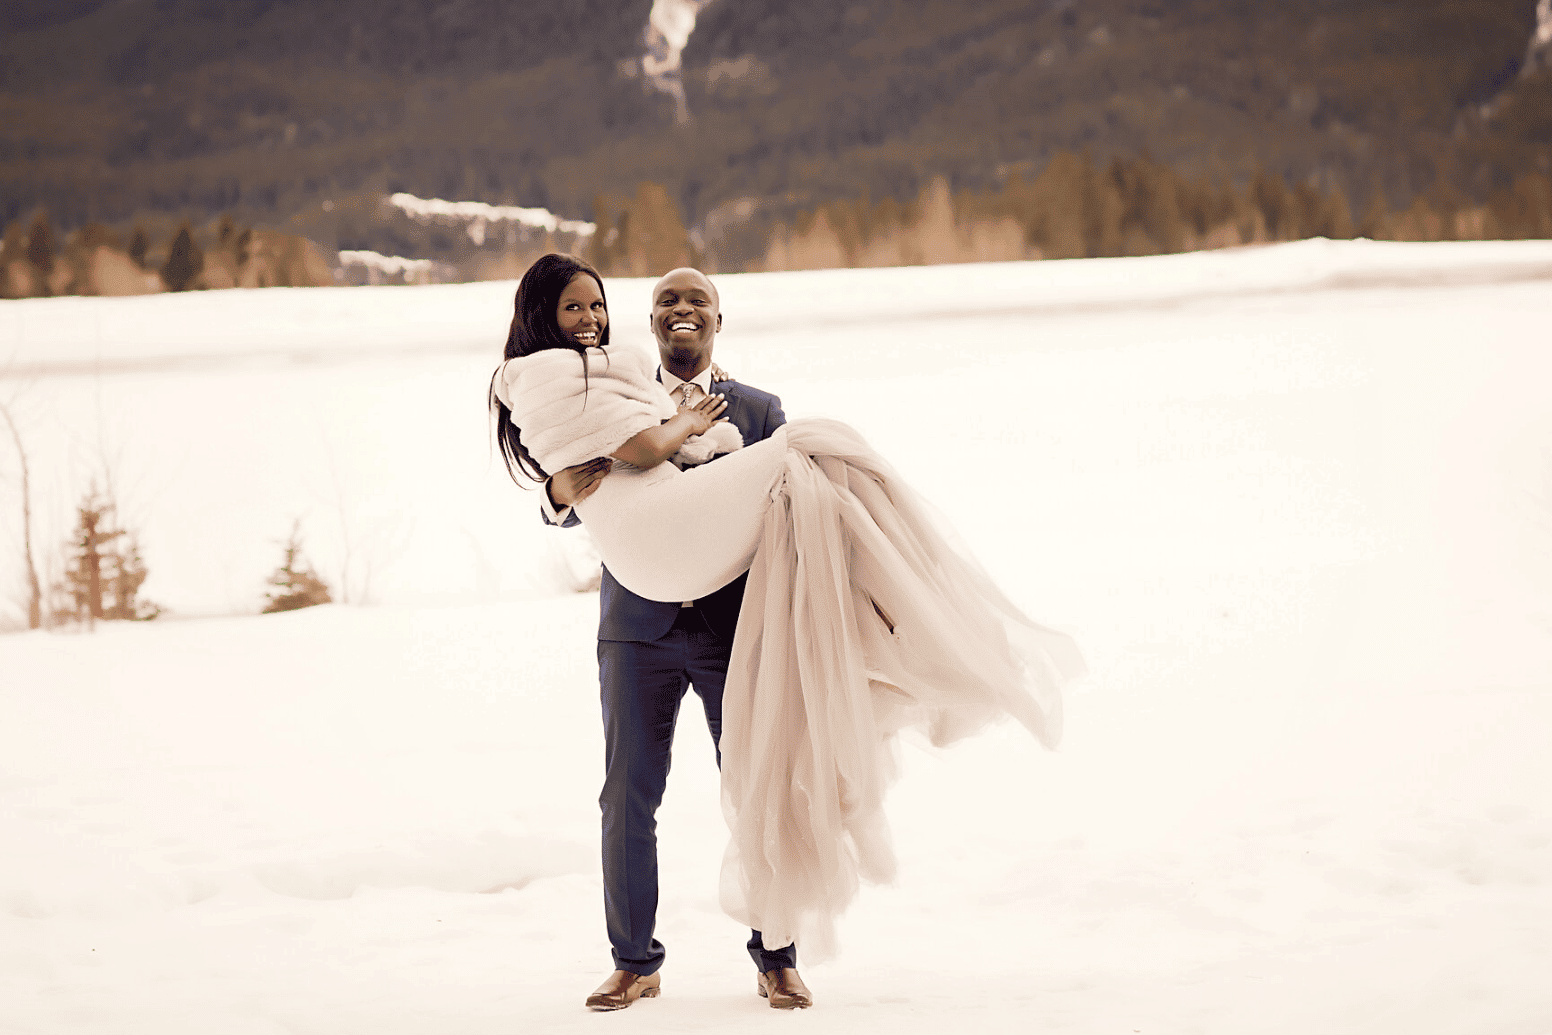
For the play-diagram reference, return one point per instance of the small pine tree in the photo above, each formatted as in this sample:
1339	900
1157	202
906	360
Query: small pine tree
124	573
295	584
103	568
184	262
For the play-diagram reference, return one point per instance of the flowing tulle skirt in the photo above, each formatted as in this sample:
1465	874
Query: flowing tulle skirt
859	620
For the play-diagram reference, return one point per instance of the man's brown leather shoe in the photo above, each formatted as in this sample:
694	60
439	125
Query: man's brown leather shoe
785	989
622	988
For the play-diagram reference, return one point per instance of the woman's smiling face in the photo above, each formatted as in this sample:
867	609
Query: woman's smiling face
580	313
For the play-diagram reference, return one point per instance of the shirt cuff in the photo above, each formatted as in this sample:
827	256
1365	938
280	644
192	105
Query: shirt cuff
551	511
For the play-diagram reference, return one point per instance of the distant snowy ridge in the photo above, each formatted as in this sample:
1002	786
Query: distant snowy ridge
668	30
391	264
478	215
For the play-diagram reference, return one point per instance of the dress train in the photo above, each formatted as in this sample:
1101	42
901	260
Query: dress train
819	684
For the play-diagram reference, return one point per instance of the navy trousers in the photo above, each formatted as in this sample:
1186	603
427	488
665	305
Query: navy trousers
642	685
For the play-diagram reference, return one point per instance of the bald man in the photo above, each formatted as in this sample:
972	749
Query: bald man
649	654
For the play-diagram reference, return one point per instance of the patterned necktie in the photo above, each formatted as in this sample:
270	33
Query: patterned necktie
687	393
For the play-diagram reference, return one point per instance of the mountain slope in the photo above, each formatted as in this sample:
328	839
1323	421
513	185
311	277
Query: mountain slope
117	108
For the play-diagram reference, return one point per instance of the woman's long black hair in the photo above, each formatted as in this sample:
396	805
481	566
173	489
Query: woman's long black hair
534	330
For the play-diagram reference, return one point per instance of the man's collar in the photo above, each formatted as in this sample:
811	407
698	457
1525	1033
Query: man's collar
672	381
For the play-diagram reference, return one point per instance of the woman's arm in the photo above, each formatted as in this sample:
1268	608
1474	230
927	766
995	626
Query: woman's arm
651	447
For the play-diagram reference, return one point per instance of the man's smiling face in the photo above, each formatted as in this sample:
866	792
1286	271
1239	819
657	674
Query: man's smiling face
686	316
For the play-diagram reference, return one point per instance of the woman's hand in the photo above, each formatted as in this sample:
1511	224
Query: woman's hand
704	413
651	446
718	374
571	486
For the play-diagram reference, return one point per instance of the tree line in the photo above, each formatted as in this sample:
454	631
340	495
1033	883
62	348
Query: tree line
1073	207
95	260
269	110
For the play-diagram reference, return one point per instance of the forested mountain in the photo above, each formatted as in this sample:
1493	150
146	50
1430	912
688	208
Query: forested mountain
124	110
1334	88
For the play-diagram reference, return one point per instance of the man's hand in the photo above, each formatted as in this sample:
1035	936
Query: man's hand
571	486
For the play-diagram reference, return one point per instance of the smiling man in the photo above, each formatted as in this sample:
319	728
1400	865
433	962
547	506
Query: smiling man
650	653
686	316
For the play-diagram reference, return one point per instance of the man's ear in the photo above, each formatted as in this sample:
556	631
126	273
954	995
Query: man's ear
719	323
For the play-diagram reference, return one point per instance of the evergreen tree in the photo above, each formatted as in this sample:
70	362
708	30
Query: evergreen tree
1271	197
846	219
124	572
1523	210
1053	208
654	235
1334	215
1150	220
103	567
1102	208
1197	202
139	243
885	218
1306	212
40	246
1376	211
295	585
184	262
606	248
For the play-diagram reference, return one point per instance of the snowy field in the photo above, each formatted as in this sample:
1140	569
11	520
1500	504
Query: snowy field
1294	502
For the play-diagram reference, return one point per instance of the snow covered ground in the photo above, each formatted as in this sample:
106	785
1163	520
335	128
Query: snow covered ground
1295	503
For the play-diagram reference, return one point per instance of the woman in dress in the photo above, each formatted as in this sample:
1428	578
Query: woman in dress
859	619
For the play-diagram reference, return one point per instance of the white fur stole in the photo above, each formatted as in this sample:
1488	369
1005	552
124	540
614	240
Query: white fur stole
566	420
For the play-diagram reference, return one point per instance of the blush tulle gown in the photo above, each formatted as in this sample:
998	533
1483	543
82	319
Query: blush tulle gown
859	620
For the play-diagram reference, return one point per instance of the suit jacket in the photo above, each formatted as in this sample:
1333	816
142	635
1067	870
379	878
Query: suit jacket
625	616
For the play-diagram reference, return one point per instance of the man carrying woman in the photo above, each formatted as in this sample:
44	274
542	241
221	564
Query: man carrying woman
651	652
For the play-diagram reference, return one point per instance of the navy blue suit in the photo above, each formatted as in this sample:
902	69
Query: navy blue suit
649	654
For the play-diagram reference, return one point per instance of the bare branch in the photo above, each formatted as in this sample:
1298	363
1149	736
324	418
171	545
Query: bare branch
35	589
